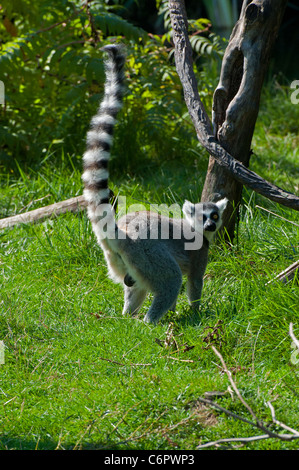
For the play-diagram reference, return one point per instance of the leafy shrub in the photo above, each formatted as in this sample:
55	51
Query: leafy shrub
53	74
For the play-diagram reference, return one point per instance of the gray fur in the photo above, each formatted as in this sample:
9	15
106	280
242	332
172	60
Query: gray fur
142	263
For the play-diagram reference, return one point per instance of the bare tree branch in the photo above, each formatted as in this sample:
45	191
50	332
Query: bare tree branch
279	423
257	423
244	440
203	128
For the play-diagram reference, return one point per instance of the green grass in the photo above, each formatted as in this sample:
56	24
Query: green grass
78	374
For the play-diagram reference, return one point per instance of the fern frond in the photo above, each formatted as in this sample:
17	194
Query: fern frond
113	25
212	44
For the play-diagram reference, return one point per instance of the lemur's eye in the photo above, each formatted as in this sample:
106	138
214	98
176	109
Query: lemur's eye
215	216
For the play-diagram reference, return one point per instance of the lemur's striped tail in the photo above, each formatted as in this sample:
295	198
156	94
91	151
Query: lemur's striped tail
99	140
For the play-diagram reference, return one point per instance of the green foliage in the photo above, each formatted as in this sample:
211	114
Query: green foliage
79	375
203	41
53	74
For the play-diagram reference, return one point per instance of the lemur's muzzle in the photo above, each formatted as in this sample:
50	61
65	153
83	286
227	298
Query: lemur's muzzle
209	226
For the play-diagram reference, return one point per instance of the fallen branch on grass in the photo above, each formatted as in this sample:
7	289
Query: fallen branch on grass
294	434
74	204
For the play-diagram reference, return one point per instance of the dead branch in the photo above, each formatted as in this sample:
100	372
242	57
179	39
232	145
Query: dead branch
287	275
294	434
293	337
279	423
201	122
74	204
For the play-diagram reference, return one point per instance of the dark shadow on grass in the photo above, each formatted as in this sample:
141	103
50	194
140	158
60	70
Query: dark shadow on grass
190	317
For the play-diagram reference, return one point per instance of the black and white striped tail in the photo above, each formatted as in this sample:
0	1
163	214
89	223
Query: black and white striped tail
99	137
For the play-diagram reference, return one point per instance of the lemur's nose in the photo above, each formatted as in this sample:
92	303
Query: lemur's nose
209	226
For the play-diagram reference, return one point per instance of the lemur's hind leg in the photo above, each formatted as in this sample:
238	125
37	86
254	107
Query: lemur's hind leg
163	301
166	291
134	297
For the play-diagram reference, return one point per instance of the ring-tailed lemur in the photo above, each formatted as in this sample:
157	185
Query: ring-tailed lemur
142	264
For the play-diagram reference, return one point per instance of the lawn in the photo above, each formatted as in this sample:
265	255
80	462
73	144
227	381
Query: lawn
79	375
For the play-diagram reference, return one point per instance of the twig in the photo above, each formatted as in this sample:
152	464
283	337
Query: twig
79	41
144	434
74	204
180	360
214	336
233	439
76	13
282	425
253	352
200	119
91	23
276	215
33	201
258	424
287	275
229	375
121	363
293	337
224	410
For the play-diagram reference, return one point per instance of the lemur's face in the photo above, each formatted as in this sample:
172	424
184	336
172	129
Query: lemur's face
206	217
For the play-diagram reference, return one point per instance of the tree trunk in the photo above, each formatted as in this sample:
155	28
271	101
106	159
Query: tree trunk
232	167
237	97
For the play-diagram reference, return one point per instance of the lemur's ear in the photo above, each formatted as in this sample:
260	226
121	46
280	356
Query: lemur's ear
222	204
188	209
